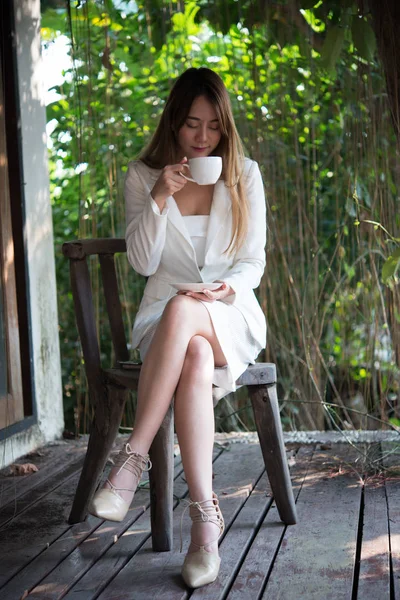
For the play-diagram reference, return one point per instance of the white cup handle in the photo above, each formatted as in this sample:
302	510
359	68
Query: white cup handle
188	178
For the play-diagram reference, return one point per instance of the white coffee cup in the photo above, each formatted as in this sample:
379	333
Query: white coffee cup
204	169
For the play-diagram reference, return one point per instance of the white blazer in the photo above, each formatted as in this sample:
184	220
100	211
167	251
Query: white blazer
159	247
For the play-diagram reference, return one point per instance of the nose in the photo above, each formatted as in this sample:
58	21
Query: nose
202	133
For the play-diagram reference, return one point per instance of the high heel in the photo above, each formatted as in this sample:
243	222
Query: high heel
107	503
202	567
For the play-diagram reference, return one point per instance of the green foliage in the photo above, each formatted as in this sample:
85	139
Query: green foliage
391	266
363	37
308	100
332	47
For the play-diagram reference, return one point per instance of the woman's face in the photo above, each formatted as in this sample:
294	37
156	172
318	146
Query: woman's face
200	134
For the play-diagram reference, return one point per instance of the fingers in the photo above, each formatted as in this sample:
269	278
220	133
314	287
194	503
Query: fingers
200	296
211	295
176	178
208	295
180	166
176	168
205	295
175	172
217	294
169	181
172	173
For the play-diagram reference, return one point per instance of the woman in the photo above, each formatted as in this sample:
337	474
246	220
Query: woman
193	345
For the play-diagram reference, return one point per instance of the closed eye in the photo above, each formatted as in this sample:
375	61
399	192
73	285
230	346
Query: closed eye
213	128
196	126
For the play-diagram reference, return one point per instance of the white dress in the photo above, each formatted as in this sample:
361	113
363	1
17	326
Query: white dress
229	324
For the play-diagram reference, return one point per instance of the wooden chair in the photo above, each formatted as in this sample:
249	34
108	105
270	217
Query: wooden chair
109	389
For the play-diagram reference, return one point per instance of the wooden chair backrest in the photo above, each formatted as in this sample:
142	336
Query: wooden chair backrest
77	252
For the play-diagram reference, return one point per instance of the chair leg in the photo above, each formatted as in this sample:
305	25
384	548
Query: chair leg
162	485
269	428
107	418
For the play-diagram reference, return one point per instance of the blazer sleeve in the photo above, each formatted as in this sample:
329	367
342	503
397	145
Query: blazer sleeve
146	227
249	263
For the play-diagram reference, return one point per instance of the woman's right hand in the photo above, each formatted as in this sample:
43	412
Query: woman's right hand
169	182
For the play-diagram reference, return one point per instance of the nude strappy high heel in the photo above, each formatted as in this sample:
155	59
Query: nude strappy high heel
202	567
107	503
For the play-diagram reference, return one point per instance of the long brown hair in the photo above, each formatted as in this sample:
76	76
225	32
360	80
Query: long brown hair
163	148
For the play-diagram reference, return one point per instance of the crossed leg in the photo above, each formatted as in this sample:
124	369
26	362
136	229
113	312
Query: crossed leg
180	361
183	319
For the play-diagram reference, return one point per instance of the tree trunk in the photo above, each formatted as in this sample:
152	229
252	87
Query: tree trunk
385	22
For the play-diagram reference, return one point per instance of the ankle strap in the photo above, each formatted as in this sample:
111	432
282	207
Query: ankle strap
205	511
132	461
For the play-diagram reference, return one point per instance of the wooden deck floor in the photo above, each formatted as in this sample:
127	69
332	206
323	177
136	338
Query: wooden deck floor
345	545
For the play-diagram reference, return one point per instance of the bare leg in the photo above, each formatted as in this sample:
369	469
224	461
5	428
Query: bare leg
194	422
194	417
183	318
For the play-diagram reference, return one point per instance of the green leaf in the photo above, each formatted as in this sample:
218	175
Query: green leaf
363	38
54	19
332	47
391	266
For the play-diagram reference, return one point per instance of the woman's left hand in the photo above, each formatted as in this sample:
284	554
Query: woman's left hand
220	293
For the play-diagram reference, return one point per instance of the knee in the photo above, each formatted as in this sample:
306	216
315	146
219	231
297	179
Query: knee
199	354
178	310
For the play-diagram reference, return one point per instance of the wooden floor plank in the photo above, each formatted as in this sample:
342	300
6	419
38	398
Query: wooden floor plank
47	560
157	575
39	458
237	540
49	460
35	529
249	581
391	453
321	548
374	575
112	561
80	560
311	560
40	491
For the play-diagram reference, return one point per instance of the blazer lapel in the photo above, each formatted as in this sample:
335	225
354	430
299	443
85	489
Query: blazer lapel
174	214
175	217
220	208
